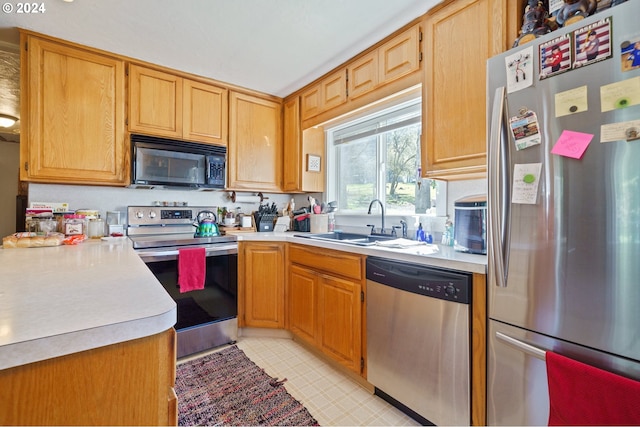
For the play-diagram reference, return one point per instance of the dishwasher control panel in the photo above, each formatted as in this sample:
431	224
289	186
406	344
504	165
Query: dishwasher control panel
431	282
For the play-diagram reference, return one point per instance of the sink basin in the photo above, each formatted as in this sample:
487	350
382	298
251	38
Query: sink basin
349	238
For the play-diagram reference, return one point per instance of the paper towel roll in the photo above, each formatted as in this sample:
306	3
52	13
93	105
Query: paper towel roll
248	199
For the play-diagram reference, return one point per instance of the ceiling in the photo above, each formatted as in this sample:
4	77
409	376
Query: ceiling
272	46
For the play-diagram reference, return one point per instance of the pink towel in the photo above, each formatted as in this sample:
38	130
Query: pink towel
191	269
582	395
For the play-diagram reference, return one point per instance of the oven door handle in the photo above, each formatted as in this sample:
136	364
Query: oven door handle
172	254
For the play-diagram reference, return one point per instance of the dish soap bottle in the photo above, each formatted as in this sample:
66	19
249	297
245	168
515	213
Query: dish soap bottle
420	236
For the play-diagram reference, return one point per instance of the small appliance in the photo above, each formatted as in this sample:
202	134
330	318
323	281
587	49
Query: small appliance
160	162
470	232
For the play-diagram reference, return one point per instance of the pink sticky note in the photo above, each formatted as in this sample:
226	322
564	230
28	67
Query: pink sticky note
572	144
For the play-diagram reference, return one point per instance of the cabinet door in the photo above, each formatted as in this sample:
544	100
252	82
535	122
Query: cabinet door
311	105
302	303
255	143
340	320
155	102
454	98
333	90
205	112
262	292
73	115
400	55
363	75
292	156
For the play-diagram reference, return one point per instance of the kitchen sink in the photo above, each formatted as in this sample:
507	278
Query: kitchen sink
348	238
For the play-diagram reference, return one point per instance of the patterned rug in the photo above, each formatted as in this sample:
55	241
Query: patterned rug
226	388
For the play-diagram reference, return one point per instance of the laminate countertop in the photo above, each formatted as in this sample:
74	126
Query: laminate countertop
60	300
428	255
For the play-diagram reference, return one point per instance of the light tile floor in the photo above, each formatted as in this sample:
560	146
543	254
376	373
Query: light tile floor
331	397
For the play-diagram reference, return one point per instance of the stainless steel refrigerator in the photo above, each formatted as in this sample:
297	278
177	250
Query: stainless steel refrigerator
564	210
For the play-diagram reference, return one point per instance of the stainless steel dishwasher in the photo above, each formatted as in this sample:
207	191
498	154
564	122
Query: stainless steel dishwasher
418	339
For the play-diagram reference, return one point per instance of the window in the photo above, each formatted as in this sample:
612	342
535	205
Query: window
378	157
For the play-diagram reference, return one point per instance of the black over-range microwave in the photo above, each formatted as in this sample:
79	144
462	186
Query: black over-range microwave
171	163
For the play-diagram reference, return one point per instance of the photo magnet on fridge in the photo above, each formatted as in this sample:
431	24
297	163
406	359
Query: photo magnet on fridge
592	43
555	56
630	54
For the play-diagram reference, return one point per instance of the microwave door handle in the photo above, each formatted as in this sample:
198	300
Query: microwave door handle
207	172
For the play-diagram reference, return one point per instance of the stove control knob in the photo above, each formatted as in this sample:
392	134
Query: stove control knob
152	214
450	290
139	215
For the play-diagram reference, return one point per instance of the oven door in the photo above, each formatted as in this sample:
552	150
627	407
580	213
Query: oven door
206	318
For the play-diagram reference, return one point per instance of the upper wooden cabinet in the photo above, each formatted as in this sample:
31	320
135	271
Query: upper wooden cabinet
394	59
73	115
298	146
330	92
168	105
459	38
254	156
205	112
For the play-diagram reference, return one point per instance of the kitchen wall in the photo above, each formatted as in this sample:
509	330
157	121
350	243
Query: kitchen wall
117	199
9	171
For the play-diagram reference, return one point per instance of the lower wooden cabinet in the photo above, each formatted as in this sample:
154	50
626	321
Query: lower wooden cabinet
129	383
261	295
325	302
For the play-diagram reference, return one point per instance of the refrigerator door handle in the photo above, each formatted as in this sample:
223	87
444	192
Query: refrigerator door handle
522	346
499	199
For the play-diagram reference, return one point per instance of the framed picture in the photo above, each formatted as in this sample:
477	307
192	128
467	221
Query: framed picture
313	163
592	43
555	56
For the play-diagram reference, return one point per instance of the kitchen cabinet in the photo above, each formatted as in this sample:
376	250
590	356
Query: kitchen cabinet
459	37
261	294
73	114
254	155
298	146
325	302
394	59
129	383
329	93
167	105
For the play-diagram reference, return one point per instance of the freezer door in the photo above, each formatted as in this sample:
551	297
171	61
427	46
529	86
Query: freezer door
517	390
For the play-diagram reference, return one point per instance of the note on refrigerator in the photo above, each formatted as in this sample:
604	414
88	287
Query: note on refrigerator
526	177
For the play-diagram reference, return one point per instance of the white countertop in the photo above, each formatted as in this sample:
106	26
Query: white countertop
444	256
61	300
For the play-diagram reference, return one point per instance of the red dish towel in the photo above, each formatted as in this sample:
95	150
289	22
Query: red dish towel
191	269
580	394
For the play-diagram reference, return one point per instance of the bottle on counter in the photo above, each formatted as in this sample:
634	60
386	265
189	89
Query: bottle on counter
420	235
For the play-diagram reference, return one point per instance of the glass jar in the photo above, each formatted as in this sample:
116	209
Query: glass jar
74	224
96	228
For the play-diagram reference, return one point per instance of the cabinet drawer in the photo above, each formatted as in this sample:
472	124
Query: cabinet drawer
335	262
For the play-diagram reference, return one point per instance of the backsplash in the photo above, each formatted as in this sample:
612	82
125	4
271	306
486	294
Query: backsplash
117	199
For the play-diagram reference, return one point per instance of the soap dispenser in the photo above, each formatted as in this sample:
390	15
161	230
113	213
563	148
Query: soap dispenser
420	236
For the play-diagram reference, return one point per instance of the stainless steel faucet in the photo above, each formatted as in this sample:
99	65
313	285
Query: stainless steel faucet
381	211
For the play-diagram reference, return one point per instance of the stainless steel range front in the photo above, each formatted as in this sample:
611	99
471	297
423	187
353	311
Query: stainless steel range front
207	318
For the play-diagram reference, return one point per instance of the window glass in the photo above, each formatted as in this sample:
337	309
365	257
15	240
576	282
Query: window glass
378	157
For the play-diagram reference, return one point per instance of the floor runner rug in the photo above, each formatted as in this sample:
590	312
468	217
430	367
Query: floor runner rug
227	388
